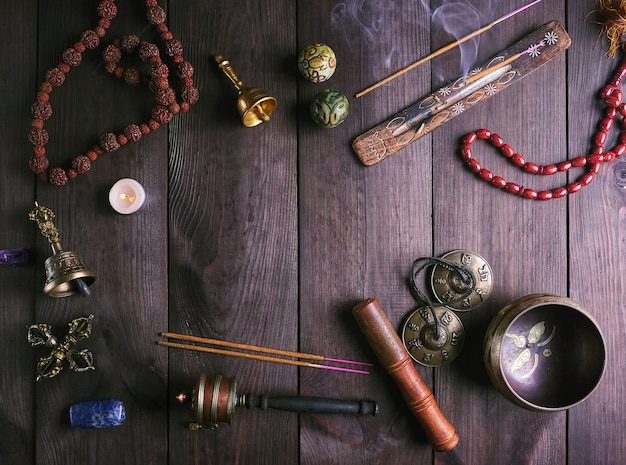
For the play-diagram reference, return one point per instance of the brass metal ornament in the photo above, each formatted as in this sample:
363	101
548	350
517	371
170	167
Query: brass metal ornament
254	105
448	286
433	343
65	272
51	365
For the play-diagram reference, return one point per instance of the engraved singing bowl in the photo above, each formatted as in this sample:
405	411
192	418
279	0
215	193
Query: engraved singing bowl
544	352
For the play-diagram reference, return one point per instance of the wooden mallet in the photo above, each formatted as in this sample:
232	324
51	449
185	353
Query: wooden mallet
396	360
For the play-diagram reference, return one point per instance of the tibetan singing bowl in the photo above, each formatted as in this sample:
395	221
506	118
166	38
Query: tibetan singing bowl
544	352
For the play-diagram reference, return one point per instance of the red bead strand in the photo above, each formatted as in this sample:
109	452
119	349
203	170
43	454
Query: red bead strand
612	97
168	103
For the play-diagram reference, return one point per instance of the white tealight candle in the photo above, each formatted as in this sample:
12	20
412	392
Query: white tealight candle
126	196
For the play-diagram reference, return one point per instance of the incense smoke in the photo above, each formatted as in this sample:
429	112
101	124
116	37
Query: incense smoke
459	19
373	24
369	23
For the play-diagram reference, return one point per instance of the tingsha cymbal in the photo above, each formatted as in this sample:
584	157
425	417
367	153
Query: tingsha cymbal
431	342
449	286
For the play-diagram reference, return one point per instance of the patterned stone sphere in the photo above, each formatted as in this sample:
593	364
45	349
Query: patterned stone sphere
317	62
329	108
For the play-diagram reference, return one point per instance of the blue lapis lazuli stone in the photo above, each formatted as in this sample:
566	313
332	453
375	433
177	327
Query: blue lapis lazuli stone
97	414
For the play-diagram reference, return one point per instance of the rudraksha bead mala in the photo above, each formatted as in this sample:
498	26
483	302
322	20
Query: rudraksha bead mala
167	102
612	97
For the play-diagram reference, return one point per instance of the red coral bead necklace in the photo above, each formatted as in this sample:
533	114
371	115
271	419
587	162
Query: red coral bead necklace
612	97
167	102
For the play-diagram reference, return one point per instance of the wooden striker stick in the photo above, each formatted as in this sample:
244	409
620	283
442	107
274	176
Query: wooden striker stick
389	349
444	49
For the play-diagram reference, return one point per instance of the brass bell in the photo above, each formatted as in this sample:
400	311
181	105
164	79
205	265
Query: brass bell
65	272
254	105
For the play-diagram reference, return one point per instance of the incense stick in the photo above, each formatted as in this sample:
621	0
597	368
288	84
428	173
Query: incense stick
263	358
442	50
267	350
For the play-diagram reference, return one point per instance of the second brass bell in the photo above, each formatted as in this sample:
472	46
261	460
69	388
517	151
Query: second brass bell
65	272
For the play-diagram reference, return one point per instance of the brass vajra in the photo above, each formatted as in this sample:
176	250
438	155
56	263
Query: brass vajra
51	365
44	216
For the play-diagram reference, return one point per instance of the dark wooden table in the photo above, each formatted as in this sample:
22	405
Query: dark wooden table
270	235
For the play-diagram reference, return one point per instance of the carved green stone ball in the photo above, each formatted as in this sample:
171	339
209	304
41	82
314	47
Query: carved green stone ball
317	62
329	108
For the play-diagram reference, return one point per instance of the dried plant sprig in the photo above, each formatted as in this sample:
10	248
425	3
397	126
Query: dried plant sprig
613	21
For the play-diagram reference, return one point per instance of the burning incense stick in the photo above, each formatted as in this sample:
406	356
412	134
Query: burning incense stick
267	350
445	49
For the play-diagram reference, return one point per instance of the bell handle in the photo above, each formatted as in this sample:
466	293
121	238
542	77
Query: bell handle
227	69
393	356
304	404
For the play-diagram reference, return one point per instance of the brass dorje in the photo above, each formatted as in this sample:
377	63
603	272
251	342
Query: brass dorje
65	272
254	105
63	350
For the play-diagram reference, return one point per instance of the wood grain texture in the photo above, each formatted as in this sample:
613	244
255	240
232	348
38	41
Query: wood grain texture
270	235
525	258
129	253
394	357
233	226
17	401
597	256
360	230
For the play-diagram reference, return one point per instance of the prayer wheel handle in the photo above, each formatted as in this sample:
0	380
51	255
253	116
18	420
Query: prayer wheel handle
394	357
304	404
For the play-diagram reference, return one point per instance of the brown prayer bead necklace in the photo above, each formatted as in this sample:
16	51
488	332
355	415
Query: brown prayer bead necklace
612	97
167	104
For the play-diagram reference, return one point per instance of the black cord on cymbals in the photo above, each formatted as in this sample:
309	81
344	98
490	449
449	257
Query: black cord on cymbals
424	262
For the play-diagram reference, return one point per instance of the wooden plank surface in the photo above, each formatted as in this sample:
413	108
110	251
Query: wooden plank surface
233	261
270	235
128	252
16	196
347	214
596	245
360	229
472	215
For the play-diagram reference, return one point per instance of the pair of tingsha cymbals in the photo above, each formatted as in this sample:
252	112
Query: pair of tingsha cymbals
437	342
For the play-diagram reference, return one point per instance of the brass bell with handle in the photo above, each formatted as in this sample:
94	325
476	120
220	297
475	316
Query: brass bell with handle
254	105
214	400
65	272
